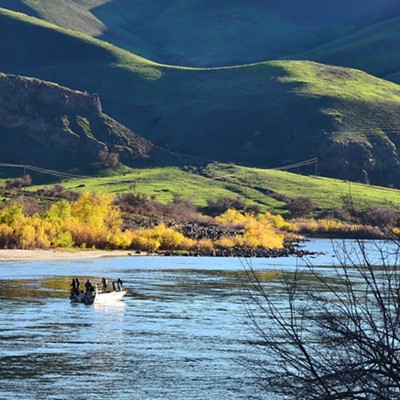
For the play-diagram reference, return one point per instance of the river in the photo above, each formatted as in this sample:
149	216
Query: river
179	334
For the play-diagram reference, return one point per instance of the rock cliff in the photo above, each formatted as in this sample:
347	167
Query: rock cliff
44	122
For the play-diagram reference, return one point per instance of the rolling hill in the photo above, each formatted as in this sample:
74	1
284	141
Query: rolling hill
374	49
205	33
64	13
266	114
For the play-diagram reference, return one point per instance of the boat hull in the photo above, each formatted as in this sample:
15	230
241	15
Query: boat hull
99	297
109	296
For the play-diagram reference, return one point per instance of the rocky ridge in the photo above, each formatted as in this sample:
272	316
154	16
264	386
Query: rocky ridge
64	120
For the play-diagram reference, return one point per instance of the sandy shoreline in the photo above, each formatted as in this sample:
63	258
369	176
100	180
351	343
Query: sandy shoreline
15	255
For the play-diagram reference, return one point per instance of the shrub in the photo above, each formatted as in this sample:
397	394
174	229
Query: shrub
119	240
222	204
7	237
227	242
139	203
278	222
144	243
59	192
301	206
232	217
26	180
109	160
382	217
257	231
63	239
204	245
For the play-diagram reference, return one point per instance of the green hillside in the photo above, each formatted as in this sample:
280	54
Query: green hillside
266	114
256	186
209	33
65	13
326	193
374	49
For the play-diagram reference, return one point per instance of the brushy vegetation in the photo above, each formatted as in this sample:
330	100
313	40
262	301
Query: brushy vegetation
259	231
60	217
95	221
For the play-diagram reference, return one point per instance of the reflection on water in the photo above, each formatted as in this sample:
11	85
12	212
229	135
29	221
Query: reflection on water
178	334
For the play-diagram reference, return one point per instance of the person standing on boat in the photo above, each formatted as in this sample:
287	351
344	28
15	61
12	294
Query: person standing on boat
73	287
88	286
105	283
119	283
78	285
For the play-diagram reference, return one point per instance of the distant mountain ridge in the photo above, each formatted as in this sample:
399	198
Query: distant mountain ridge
205	33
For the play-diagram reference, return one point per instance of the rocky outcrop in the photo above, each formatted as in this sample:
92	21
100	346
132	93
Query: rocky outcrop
366	163
364	145
64	120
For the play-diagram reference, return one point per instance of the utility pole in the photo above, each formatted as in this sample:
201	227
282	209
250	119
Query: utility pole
245	187
316	166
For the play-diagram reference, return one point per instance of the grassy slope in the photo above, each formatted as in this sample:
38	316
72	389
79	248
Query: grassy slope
69	15
230	114
19	6
325	192
231	181
65	13
208	33
205	33
163	183
374	49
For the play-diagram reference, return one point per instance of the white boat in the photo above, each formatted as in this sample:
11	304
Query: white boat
105	297
98	296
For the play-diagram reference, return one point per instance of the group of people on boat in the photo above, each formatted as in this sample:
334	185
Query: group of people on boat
90	288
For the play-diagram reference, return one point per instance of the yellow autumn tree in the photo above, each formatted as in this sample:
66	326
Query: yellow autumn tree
160	238
97	210
256	231
95	221
59	216
12	215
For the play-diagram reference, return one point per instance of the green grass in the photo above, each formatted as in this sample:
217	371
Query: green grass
326	193
234	181
64	13
373	49
163	183
355	85
69	15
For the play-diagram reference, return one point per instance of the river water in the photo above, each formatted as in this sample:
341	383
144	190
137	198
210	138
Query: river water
180	333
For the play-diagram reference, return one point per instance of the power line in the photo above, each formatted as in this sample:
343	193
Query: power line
296	165
43	171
